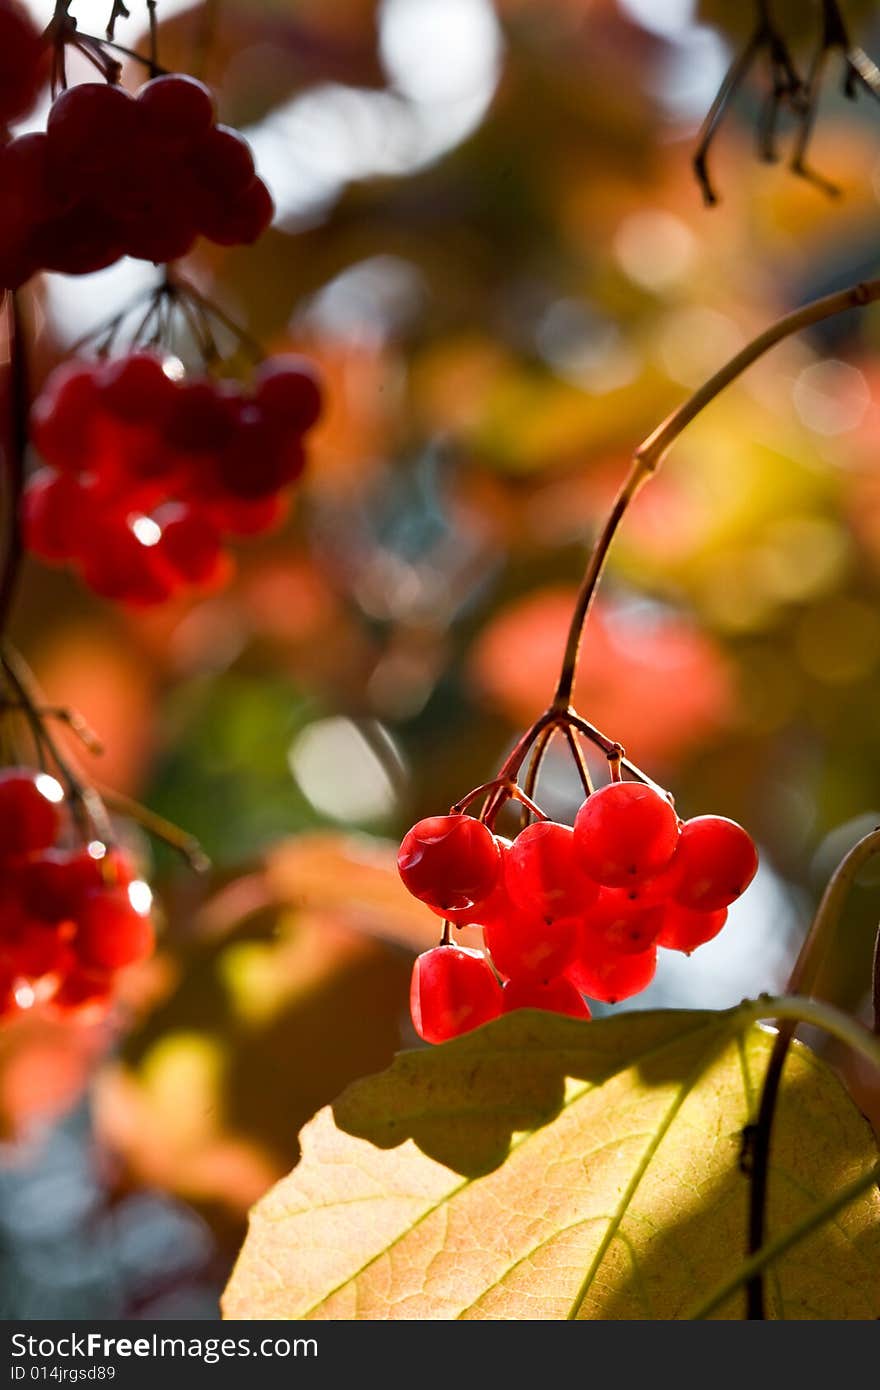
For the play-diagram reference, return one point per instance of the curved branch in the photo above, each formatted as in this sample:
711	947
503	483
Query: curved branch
805	972
651	452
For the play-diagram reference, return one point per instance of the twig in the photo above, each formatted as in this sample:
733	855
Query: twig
650	454
186	845
805	973
785	86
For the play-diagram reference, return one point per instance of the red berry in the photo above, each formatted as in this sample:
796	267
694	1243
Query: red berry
29	819
237	218
452	991
79	241
542	873
620	922
54	515
201	417
558	996
33	949
121	566
83	992
178	110
449	862
111	933
222	161
191	545
90	127
625	832
135	388
240	516
62	415
163	228
54	886
612	977
716	861
684	930
251	464
526	946
289	390
22	61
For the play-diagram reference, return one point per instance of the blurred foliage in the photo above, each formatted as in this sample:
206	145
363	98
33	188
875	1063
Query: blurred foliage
490	238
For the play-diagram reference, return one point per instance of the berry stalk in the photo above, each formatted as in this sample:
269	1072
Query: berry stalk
652	451
805	973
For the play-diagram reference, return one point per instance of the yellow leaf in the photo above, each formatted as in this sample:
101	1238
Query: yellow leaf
542	1167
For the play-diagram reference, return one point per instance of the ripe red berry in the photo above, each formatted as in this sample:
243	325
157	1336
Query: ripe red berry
222	161
23	54
716	861
201	418
136	388
90	129
611	976
250	464
288	389
192	546
452	991
178	110
33	949
54	515
111	933
524	945
237	219
558	996
625	832
62	415
29	819
449	862
83	993
621	922
684	930
542	873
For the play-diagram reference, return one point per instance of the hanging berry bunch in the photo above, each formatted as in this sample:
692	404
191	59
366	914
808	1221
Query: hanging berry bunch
73	910
151	472
24	62
570	913
116	174
148	467
566	912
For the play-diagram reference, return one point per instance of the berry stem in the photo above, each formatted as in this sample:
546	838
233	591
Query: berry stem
541	744
186	845
579	760
499	790
74	721
755	1265
86	803
651	452
805	973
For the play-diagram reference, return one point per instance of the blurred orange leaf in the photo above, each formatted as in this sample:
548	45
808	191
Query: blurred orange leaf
648	678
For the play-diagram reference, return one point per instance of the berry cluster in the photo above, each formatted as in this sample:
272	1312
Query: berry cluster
69	918
148	475
23	65
567	912
116	175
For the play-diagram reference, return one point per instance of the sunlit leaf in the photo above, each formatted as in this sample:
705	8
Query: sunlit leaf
547	1168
